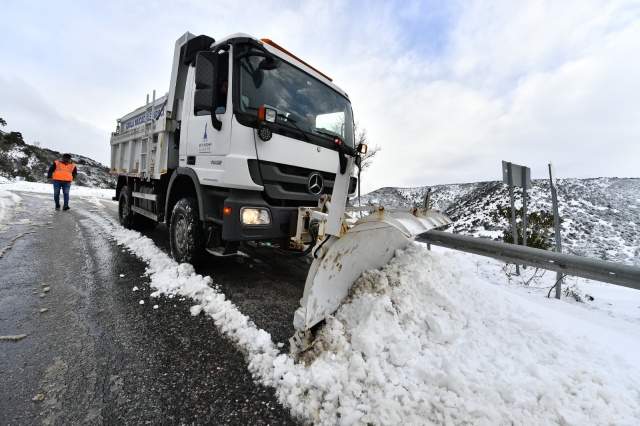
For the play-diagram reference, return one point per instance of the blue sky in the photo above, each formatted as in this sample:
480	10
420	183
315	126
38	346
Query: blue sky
447	89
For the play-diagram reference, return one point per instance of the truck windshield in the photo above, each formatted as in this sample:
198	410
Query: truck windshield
314	107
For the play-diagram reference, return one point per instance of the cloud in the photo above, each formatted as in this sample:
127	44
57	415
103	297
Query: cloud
38	120
447	89
524	83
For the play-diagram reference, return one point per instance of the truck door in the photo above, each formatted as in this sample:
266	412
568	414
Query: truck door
206	147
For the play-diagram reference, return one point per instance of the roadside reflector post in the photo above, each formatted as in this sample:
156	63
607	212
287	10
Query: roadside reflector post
526	181
425	207
556	222
514	229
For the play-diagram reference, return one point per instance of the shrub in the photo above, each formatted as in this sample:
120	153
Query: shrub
539	226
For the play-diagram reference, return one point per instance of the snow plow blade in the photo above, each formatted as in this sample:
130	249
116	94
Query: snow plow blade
343	248
369	244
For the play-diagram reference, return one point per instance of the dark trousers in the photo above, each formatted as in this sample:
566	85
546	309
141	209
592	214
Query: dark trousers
65	186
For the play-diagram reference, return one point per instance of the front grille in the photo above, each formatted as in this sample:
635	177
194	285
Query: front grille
287	182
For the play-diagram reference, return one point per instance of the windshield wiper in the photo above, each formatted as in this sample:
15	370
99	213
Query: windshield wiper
286	119
327	134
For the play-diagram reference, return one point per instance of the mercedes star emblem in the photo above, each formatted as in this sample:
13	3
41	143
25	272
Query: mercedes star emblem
315	185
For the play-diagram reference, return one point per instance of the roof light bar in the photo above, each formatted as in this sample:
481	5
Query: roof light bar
277	46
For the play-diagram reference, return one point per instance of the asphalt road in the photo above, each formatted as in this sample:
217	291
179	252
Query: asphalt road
84	351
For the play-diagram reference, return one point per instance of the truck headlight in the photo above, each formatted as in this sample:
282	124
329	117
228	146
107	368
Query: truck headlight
255	216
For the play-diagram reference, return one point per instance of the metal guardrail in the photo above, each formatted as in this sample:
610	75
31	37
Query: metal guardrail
595	269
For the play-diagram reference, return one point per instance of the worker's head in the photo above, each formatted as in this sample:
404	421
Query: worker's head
66	158
224	86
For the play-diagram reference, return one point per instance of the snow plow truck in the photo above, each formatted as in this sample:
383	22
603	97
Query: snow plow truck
252	144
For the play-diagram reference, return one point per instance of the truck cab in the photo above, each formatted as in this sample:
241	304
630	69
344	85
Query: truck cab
247	133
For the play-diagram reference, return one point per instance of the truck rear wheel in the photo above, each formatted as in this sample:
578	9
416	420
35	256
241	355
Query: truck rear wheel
125	214
188	240
128	218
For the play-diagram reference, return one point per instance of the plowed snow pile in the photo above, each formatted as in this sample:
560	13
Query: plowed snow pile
425	341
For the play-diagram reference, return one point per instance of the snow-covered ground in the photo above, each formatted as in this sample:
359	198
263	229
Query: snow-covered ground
435	337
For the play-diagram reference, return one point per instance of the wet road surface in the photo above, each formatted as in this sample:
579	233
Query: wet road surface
92	354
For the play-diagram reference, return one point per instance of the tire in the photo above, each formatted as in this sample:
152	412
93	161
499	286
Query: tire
125	214
128	218
188	239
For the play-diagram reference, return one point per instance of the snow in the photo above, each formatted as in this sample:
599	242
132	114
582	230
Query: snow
16	154
8	200
434	337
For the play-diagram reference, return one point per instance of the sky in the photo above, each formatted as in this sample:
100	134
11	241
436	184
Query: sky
445	89
434	337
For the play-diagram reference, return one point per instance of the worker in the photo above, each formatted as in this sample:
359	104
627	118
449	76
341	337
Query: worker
221	107
62	172
224	87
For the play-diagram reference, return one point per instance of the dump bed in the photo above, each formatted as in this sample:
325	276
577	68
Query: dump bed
141	143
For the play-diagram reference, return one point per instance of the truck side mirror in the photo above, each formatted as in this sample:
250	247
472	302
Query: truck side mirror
206	94
269	63
203	100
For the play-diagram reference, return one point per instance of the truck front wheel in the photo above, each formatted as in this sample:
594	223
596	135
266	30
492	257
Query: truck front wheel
188	240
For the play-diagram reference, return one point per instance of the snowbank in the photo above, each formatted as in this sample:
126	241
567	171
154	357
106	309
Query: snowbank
423	340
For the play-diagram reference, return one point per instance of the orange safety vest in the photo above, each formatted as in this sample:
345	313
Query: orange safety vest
63	171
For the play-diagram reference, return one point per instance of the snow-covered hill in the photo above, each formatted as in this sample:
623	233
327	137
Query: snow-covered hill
600	217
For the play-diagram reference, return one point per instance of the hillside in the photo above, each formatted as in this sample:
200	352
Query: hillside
19	160
600	217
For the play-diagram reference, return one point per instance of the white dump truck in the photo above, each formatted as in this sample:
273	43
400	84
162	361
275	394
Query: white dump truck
243	138
251	143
